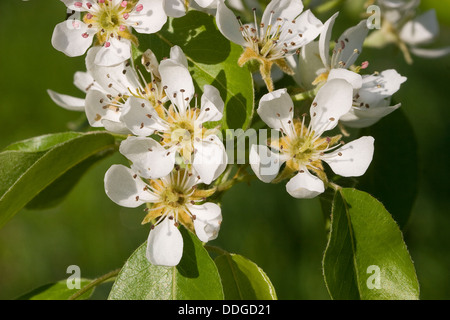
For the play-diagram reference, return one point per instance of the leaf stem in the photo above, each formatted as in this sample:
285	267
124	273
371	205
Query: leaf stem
95	283
215	249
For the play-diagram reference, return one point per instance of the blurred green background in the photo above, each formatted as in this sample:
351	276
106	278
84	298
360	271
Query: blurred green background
284	236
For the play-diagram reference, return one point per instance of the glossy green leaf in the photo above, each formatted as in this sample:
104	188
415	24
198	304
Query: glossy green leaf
392	176
195	278
43	169
366	257
242	279
57	291
212	60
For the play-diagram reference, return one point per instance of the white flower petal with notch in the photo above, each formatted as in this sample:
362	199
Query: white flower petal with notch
208	217
72	37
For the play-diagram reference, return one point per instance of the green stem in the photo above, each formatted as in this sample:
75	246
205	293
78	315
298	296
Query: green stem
94	283
311	94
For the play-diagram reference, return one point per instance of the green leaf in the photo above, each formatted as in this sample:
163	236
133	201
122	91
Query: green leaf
43	169
392	177
195	278
366	257
242	279
212	60
56	291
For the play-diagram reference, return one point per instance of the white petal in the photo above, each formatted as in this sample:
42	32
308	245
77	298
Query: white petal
165	244
210	4
150	159
310	65
350	45
265	163
421	30
363	117
174	8
324	40
283	9
333	100
125	188
83	81
276	109
212	105
228	24
74	4
177	55
115	127
116	79
210	158
353	159
151	18
306	25
351	77
176	78
72	37
67	102
305	185
151	63
141	118
98	108
376	88
430	53
118	51
208	217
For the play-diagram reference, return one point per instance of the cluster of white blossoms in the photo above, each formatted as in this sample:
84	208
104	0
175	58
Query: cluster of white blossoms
315	65
175	159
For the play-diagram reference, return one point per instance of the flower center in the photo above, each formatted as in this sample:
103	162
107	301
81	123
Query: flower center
301	149
173	197
109	19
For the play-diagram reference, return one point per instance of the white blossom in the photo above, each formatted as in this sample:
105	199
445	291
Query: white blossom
107	88
281	32
110	21
302	148
371	95
171	200
315	60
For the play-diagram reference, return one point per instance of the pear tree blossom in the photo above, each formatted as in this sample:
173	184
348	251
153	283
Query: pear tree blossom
180	110
302	148
107	88
110	23
371	95
315	61
283	29
179	126
171	200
